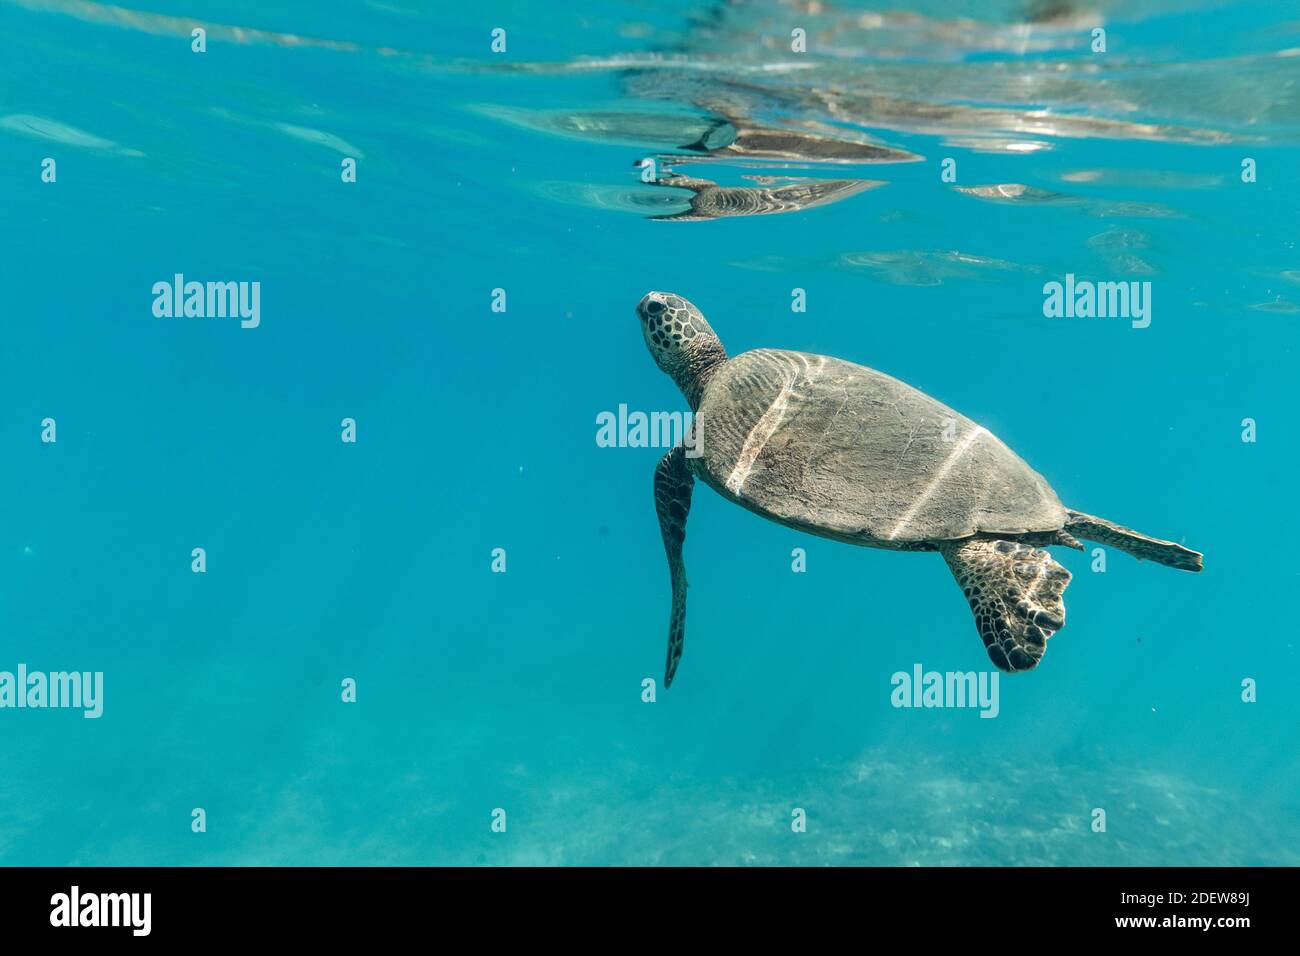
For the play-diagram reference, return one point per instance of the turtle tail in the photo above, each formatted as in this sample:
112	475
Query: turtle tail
1139	545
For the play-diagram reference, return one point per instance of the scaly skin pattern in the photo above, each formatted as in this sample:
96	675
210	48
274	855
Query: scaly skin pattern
673	486
711	201
1015	593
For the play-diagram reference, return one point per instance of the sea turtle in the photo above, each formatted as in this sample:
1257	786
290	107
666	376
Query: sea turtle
845	452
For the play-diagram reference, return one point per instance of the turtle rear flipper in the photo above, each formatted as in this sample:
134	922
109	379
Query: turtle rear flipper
1015	592
1139	545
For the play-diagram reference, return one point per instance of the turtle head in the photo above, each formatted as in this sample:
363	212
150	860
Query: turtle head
682	343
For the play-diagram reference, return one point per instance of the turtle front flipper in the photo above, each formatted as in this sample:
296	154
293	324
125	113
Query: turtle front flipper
1014	592
673	486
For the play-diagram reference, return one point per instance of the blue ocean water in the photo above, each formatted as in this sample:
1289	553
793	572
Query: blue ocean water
372	561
